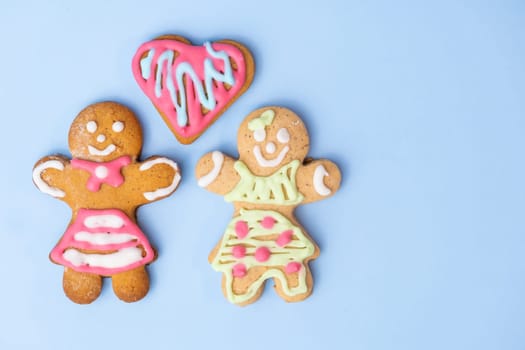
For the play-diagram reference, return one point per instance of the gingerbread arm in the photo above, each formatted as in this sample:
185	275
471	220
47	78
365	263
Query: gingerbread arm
318	179
49	175
215	172
163	173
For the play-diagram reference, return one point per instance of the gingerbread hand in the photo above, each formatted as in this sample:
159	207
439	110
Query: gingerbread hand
318	179
216	173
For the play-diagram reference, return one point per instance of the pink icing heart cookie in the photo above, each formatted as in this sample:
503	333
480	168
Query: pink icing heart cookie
191	86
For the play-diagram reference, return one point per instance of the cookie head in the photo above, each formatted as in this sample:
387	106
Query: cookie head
270	138
105	131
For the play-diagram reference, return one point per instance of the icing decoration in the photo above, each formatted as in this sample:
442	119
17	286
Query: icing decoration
292	267
103	242
239	270
319	186
117	126
265	119
259	135
269	163
239	251
218	159
262	250
41	184
278	188
241	229
270	147
283	136
164	191
193	78
102	172
268	222
284	238
91	126
102	152
101	138
262	254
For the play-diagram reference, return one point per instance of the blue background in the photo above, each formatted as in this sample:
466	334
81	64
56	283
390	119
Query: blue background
420	103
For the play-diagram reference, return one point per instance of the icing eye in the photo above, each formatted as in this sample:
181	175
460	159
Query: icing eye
259	135
91	126
118	126
283	136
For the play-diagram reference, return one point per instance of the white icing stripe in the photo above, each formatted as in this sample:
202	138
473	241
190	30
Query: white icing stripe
164	191
112	221
101	238
269	163
319	186
41	184
218	160
120	258
101	152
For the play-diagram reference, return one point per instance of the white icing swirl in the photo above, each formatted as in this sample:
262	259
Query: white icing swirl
41	184
319	186
218	160
164	191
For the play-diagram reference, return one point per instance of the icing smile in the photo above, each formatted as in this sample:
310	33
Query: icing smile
269	163
102	152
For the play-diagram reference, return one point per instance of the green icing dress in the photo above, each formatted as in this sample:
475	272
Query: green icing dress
264	237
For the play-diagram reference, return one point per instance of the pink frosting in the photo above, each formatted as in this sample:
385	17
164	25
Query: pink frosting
268	222
239	251
68	241
195	56
262	254
239	270
111	171
284	238
241	229
292	267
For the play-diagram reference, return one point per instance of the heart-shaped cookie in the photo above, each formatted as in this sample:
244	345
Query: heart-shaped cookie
191	86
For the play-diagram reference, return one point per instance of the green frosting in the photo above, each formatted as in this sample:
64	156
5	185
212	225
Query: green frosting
298	249
279	188
265	119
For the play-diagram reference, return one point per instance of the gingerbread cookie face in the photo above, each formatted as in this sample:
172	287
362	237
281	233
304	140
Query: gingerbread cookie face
104	184
191	86
264	240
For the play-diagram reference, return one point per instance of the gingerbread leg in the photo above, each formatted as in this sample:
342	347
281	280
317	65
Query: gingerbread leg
246	289
295	286
81	287
131	285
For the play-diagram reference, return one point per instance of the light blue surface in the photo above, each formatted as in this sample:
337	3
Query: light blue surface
422	104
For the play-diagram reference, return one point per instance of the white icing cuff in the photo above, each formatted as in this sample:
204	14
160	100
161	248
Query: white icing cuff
41	184
319	186
218	160
164	191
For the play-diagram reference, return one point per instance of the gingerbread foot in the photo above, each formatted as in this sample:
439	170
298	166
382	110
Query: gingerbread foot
81	287
131	285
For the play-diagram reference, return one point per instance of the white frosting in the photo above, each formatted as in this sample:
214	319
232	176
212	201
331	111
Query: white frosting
259	135
101	172
102	152
120	258
218	160
91	126
118	126
164	191
106	220
270	147
41	184
283	136
319	186
269	163
103	238
101	138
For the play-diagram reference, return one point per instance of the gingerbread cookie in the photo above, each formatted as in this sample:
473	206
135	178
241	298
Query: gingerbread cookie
191	86
104	184
270	179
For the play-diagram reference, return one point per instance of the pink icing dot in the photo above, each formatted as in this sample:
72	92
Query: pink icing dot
239	251
262	254
292	267
284	238
239	270
268	222
241	229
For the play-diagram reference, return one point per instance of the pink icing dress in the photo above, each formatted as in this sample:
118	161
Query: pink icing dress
118	242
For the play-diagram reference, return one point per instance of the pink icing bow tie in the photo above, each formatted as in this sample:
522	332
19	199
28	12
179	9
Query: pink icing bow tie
102	172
